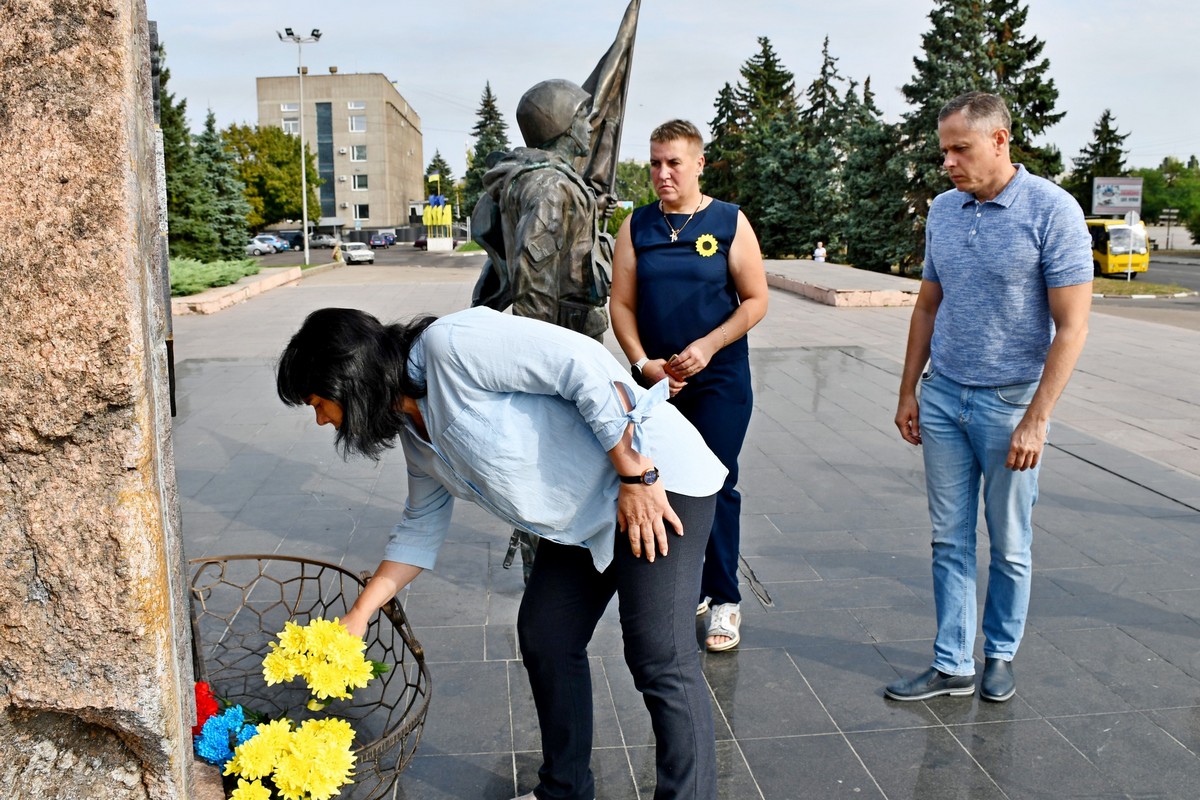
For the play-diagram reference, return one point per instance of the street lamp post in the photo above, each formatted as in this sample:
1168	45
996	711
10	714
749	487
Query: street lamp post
289	36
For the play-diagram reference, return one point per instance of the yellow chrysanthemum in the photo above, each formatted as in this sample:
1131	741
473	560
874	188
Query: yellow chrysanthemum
357	674
294	638
321	754
333	729
257	757
250	790
323	635
281	665
326	680
706	245
329	658
345	648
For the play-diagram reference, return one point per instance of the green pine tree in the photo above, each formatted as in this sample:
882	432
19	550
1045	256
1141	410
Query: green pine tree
823	114
1103	157
875	226
491	136
229	207
189	198
784	187
756	146
767	89
725	153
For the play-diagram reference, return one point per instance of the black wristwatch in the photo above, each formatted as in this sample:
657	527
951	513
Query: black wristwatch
649	477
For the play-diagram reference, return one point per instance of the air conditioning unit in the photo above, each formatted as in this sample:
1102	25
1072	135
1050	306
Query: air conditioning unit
341	178
343	150
345	205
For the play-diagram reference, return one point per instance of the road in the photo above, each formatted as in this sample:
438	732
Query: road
1175	269
1180	312
396	255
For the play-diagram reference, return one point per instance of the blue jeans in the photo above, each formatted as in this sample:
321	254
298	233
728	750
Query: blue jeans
965	435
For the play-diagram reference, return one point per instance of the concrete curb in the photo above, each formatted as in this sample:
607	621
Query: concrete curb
1097	295
210	301
842	298
841	286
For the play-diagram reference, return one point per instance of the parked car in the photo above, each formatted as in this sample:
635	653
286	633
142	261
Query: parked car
294	238
257	248
281	243
423	243
322	240
270	243
357	253
380	240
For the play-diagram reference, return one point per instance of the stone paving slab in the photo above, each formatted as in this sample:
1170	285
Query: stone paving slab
836	567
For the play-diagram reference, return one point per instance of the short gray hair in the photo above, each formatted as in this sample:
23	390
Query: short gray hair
981	111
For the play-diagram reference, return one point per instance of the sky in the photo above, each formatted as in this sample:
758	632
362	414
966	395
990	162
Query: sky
1135	58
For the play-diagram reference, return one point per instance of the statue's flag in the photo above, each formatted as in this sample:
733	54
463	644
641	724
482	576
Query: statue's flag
608	85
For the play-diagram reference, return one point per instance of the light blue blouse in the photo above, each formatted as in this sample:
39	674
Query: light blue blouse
521	415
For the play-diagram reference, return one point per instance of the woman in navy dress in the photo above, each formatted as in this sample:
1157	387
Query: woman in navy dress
688	284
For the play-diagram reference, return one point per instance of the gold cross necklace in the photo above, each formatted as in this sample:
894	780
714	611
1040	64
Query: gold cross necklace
676	231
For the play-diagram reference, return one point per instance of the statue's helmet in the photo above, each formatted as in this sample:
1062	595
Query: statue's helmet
548	110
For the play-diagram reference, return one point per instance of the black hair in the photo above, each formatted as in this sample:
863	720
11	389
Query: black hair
350	357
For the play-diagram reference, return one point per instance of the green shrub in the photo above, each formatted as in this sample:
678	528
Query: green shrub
191	277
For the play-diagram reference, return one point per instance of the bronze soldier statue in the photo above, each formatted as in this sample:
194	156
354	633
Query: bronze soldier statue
539	220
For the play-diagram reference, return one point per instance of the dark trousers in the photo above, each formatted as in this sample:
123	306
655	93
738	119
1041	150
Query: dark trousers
718	403
563	603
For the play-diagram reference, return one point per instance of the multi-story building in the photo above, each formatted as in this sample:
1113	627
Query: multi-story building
367	140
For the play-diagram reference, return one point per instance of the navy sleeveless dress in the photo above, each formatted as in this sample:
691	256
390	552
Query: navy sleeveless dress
684	291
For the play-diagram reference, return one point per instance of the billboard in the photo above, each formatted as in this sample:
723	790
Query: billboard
1116	195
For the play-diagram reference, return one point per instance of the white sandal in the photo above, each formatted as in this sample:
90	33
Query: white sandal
702	607
726	620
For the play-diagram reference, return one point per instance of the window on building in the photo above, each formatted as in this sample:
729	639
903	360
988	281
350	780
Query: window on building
362	211
358	123
354	105
294	108
291	125
358	152
359	183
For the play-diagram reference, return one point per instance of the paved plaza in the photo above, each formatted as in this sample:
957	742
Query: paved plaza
835	576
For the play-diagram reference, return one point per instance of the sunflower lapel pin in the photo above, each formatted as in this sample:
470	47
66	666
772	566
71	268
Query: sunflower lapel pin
706	245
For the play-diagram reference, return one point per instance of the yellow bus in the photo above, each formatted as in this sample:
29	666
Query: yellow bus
1118	247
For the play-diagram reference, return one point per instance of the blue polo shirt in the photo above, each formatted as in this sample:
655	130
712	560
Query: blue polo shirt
994	261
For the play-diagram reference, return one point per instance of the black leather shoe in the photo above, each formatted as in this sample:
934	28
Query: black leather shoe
931	683
998	684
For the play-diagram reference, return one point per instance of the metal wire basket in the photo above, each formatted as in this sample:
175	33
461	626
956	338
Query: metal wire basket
239	605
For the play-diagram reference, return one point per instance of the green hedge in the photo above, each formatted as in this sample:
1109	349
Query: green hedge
192	277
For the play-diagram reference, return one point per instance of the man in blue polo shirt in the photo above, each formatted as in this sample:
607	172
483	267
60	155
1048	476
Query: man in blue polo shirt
1001	319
